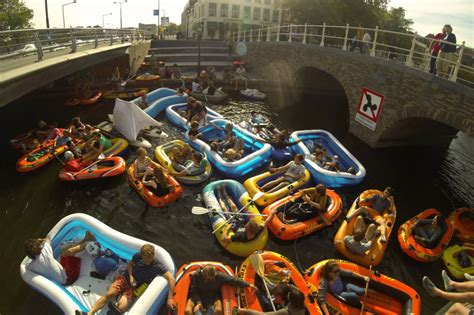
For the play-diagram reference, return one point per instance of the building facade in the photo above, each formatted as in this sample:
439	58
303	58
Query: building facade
218	18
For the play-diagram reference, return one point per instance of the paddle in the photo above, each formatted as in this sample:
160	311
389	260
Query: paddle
365	292
255	198
259	266
200	211
238	291
99	158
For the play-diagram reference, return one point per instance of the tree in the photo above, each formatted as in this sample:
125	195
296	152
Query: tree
14	15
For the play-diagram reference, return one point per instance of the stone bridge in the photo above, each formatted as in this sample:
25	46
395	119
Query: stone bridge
418	108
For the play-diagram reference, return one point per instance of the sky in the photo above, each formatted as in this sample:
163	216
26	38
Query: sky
429	15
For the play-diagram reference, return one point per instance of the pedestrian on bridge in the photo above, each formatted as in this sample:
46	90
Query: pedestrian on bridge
446	56
435	47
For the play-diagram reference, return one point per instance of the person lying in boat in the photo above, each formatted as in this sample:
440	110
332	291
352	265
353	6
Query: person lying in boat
141	270
315	202
142	103
195	111
157	179
193	132
281	143
332	282
294	170
205	290
195	166
428	232
464	295
143	164
363	238
379	203
295	305
67	270
95	146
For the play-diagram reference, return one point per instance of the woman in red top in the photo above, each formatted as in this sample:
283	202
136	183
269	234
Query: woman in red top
435	46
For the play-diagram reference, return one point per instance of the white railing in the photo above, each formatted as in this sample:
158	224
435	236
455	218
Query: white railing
21	43
412	50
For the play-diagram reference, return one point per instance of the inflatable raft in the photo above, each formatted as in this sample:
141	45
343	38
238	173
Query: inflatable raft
257	153
107	167
92	100
163	154
254	184
313	138
416	250
119	146
162	104
385	296
173	115
219	96
149	196
70	297
125	93
459	259
219	220
39	157
377	251
253	94
462	220
274	263
183	282
147	77
291	231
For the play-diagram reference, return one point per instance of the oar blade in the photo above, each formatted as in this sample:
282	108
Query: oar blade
257	196
199	210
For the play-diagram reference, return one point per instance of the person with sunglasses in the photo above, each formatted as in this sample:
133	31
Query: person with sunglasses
334	281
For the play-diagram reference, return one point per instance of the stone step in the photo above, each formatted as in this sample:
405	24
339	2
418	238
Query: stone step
191	57
192	65
188	50
187	43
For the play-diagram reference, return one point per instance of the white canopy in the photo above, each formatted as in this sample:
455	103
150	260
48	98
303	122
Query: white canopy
129	119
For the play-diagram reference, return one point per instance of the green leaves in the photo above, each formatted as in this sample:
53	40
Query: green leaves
14	15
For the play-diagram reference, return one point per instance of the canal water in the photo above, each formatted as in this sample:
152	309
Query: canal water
32	203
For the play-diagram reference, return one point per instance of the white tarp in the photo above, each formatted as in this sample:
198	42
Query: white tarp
129	119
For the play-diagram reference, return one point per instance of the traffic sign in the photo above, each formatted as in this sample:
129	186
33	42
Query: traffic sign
156	12
370	108
165	21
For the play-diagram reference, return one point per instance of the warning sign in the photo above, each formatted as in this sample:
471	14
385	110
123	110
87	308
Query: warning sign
369	109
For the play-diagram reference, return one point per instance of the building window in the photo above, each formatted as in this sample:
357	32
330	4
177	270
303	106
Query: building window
267	1
235	11
224	9
212	9
266	15
276	15
258	1
256	14
247	13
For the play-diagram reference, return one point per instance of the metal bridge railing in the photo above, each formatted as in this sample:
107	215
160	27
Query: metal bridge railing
22	43
411	50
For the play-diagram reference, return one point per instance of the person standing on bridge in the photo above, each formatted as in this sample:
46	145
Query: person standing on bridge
446	56
435	47
366	40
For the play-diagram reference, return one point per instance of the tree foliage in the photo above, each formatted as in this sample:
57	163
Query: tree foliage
14	15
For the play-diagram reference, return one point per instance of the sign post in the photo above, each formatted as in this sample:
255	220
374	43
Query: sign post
165	21
370	108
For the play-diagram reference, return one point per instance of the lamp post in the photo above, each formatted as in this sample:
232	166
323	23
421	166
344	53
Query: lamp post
120	3
103	20
64	21
199	33
46	10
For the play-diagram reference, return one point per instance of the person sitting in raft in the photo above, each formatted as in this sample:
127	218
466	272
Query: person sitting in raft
143	165
142	103
95	146
379	203
256	118
228	75
176	73
211	89
63	139
195	166
205	288
180	155
193	132
296	305
281	143
229	134
180	92
294	170
318	157
67	270
43	129
195	111
331	281
54	132
428	232
76	127
157	180
196	86
315	201
241	76
363	238
141	270
73	152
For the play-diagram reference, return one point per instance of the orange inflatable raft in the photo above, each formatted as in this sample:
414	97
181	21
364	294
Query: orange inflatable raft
107	167
39	157
416	250
375	254
147	77
462	220
385	296
274	263
296	230
183	281
147	194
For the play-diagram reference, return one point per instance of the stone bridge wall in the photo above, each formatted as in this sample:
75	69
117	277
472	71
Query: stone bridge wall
409	93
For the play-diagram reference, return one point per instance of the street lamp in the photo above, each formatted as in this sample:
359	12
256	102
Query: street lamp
64	22
103	16
120	3
46	10
199	34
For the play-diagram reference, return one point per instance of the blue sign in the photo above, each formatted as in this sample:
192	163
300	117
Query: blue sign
156	12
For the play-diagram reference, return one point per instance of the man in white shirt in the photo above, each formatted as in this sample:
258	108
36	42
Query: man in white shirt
366	40
43	262
294	170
